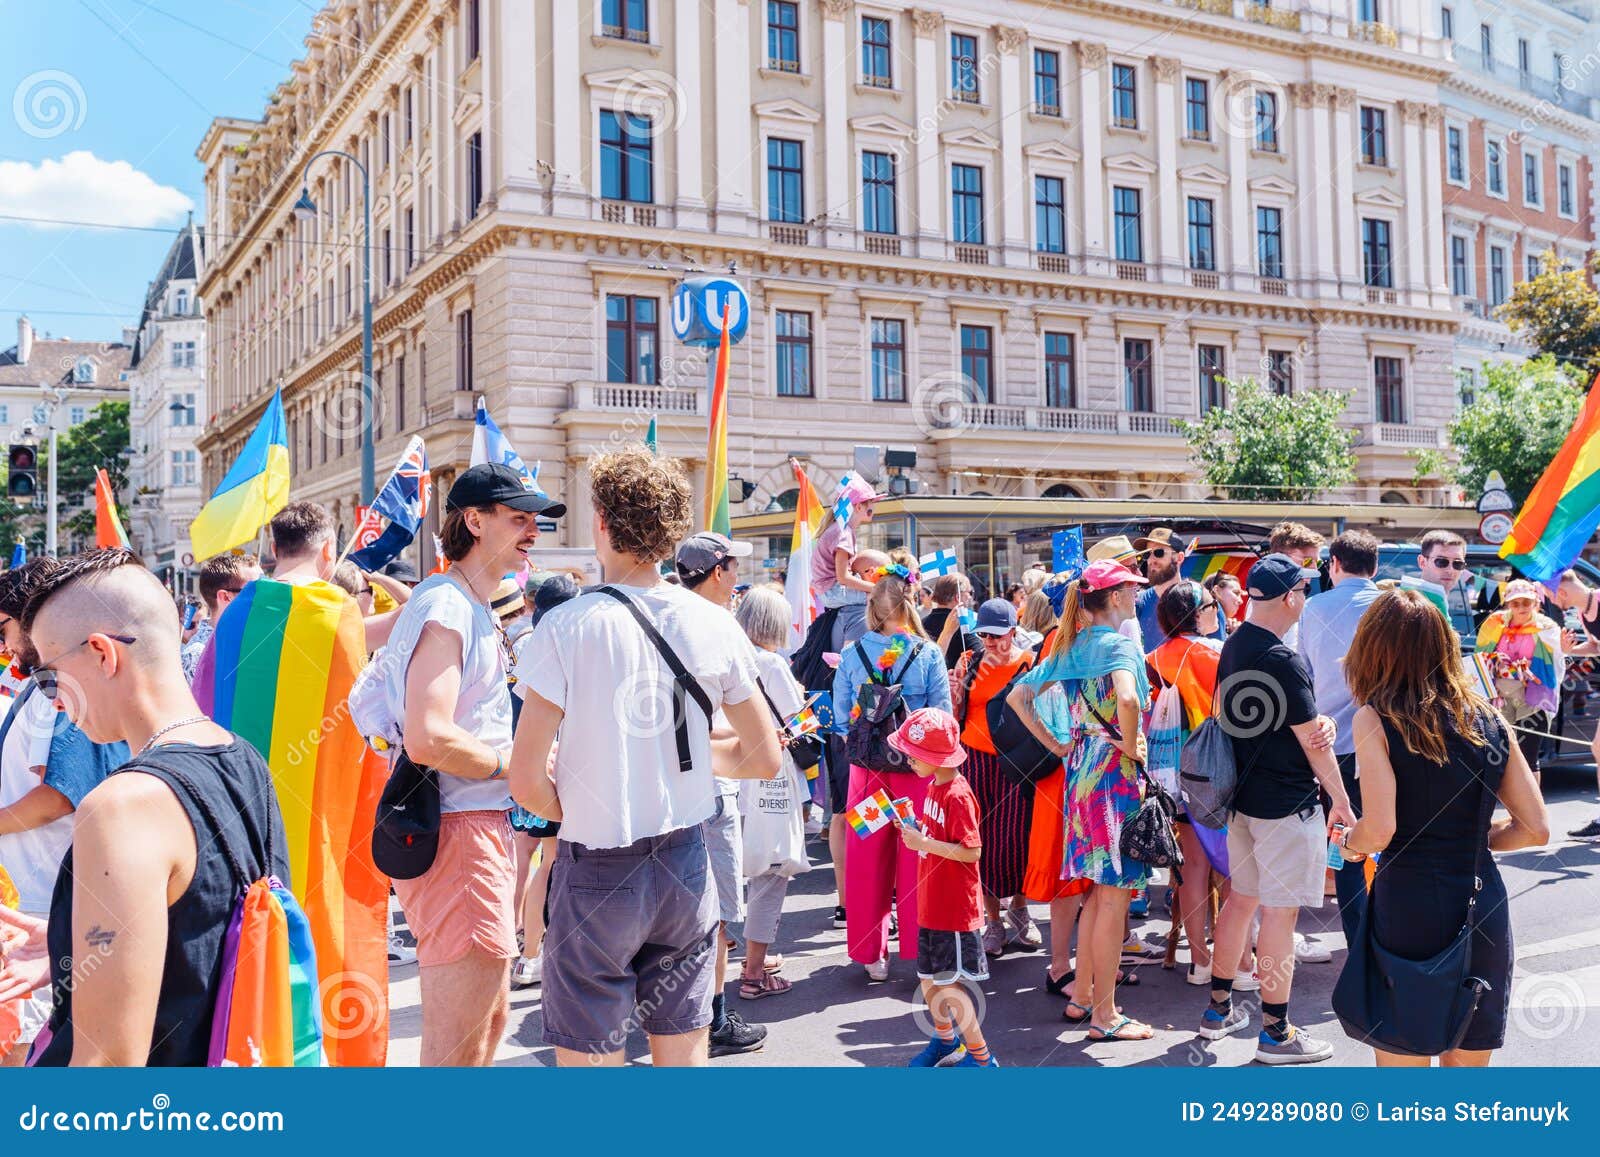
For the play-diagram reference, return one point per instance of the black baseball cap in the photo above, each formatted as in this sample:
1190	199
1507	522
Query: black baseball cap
493	484
1276	575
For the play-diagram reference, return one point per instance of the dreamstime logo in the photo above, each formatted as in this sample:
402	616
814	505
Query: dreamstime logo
1253	704
1548	1005
49	103
643	704
341	414
357	1005
1236	117
655	96
945	401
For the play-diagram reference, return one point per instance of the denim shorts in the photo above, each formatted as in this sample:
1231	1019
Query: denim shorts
630	941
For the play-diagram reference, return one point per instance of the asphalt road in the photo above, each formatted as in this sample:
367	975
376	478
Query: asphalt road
832	1016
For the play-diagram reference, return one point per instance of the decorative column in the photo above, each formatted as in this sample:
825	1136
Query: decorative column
1013	179
838	226
734	147
516	109
1342	170
1415	162
1436	275
1239	98
1169	207
569	197
683	109
930	181
1092	190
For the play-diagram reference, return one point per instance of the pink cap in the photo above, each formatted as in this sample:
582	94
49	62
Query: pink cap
1108	573
1522	589
932	735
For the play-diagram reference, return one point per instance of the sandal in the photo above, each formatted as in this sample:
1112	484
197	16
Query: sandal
1115	1032
1067	1016
773	963
1057	987
768	984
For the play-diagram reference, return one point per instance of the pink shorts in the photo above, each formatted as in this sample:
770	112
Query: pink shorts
466	900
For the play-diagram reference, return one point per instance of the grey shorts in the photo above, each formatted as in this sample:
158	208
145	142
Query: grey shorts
1280	862
725	846
630	942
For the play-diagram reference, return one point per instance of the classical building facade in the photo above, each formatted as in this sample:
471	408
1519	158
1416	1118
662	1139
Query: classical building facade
1022	247
1519	141
167	404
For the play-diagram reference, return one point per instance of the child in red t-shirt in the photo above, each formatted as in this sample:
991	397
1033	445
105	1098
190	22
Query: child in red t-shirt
949	896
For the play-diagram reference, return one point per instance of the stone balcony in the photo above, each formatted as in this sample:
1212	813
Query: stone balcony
1388	450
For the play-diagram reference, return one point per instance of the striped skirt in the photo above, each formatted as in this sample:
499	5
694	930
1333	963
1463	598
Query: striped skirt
1005	814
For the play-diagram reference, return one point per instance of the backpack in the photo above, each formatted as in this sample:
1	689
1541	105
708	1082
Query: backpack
1208	775
808	664
882	709
1023	759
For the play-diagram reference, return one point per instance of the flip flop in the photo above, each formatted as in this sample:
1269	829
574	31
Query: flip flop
1114	1033
1067	1016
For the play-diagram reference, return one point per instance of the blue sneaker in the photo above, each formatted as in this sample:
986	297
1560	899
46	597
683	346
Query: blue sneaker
966	1062
1140	904
933	1053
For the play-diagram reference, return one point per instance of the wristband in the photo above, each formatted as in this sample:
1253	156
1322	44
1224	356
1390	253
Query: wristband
499	766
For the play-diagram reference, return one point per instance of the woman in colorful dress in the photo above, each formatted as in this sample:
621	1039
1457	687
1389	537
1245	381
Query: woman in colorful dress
1005	807
1523	648
1095	724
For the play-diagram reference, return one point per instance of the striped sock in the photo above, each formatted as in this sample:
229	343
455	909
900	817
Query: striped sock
979	1052
945	1028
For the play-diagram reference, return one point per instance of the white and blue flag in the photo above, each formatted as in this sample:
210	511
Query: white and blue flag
490	445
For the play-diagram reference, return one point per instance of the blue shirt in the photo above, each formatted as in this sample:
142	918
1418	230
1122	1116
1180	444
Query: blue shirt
1327	628
924	680
1144	606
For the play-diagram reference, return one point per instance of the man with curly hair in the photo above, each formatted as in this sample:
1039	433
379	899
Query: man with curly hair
632	672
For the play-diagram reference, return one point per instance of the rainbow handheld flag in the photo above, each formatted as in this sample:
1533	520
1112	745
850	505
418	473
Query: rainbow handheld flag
252	491
809	517
107	526
872	813
717	438
278	672
267	1013
1200	567
1563	508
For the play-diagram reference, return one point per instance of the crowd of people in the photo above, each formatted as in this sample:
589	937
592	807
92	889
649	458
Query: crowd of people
627	774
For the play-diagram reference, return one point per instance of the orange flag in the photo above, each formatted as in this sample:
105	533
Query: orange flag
107	526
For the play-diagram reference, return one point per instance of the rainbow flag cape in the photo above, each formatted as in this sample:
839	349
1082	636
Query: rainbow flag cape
278	672
1543	682
1200	567
107	526
809	517
717	518
872	813
254	489
267	1012
1563	508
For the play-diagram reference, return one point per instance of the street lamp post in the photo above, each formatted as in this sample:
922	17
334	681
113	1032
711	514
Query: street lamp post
305	209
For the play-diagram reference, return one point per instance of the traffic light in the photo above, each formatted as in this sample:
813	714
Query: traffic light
22	483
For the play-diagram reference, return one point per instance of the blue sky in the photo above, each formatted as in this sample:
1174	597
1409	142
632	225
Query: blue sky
102	105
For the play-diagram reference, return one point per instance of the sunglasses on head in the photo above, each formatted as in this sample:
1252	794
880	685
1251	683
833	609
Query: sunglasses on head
1452	563
47	679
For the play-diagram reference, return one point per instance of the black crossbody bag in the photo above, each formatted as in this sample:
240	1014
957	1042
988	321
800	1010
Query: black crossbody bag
684	685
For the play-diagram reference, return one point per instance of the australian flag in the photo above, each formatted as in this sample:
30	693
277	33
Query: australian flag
404	502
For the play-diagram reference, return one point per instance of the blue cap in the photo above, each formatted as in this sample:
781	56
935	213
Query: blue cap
996	617
1276	575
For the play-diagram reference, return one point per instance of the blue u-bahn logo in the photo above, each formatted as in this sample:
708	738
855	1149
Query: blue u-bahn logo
697	310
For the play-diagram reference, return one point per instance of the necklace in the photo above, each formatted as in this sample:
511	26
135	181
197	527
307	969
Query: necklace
170	727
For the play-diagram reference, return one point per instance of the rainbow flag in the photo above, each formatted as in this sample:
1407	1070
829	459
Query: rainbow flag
1200	567
252	491
1543	667
107	526
809	518
870	814
267	1012
278	672
717	518
1563	508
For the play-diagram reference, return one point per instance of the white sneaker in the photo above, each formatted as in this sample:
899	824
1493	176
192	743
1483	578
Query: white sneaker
1251	983
814	824
526	971
400	953
878	971
1199	974
1308	953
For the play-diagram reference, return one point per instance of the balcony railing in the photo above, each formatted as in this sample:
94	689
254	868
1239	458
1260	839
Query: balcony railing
881	244
1375	32
1276	17
964	254
1211	7
621	212
1052	262
626	397
1379	296
1057	420
1204	279
1274	287
1133	271
782	233
637	35
1044	109
1401	435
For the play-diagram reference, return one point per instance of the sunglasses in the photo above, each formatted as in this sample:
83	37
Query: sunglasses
1451	563
47	679
1204	607
1158	552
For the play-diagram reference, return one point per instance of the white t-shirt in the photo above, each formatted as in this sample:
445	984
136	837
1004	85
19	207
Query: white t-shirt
483	707
31	858
617	762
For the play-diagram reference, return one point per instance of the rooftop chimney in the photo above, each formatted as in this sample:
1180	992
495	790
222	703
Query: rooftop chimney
129	332
24	339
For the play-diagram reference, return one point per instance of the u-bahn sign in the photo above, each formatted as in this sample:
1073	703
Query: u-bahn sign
697	310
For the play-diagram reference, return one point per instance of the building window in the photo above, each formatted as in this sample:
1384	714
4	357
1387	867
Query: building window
888	357
1049	215
1466	386
387	249
627	158
963	68
878	212
1124	96
1564	200
181	303
977	360
1486	46
472	18
1523	64
632	338
1455	154
1138	375
1367	11
83	371
1530	265
1213	378
400	393
1447	23
626	19
183	355
183	467
1060	371
1389	386
1269	241
785	182
794	354
1460	272
783	35
1497	275
1376	269
385	143
1280	372
474	174
877	52
1128	227
5	414
407	115
1494	151
464	380
1046	82
184	414
1266	121
966	204
1202	233
77	415
1374	136
1531	194
1197	109
411	237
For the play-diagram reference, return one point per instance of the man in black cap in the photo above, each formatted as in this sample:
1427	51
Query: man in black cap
454	708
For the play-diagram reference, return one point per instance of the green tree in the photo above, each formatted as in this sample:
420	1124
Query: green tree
1560	313
1269	446
1515	424
98	441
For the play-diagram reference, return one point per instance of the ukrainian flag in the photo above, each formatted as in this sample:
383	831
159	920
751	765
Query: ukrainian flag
255	489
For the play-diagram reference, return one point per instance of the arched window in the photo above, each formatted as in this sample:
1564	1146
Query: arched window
789	499
1395	498
1061	490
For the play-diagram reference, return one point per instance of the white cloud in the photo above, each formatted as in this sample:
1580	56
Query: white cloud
82	187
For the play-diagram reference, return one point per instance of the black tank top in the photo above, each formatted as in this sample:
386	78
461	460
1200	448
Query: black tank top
236	787
1437	807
